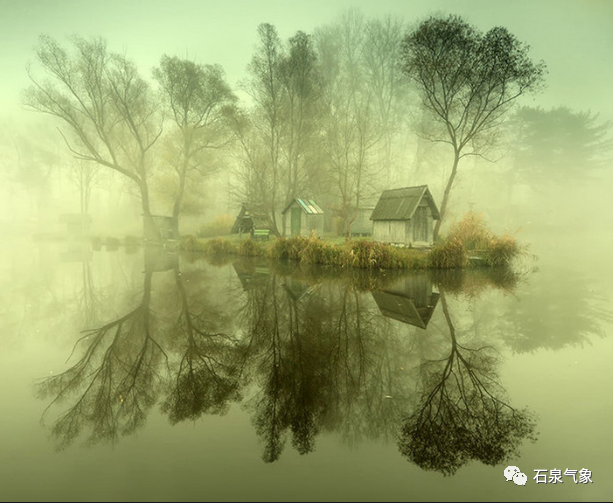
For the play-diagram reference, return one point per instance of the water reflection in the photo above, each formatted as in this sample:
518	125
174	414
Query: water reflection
115	382
405	358
409	300
463	413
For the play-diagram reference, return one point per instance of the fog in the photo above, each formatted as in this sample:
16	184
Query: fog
574	41
126	127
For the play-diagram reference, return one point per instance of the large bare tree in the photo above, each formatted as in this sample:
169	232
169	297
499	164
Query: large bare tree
104	107
199	101
468	81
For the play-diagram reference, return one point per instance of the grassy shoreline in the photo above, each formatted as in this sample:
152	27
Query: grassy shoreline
468	244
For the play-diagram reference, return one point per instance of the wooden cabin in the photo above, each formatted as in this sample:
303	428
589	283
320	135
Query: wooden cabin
251	222
301	217
405	217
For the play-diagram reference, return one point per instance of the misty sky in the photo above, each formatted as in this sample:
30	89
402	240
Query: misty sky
575	38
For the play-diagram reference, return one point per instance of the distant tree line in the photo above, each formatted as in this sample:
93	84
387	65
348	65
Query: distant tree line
330	116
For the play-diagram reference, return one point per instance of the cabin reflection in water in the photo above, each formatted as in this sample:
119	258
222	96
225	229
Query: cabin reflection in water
409	300
251	274
298	290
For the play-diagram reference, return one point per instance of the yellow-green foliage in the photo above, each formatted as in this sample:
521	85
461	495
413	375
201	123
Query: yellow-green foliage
219	246
501	250
249	248
359	253
192	243
449	254
468	237
471	232
471	236
220	226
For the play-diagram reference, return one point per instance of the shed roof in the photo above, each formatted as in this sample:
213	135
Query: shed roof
307	205
255	219
400	204
403	308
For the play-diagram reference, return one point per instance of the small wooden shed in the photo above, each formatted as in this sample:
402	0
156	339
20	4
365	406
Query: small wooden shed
301	217
248	221
405	217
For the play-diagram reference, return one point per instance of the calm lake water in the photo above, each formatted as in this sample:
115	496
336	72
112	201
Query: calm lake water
141	375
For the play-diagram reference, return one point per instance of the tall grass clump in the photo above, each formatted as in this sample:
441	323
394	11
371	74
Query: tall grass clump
219	246
450	254
476	239
288	248
502	250
191	243
317	251
250	248
471	231
372	254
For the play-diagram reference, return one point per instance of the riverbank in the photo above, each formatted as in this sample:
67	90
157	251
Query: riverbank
451	253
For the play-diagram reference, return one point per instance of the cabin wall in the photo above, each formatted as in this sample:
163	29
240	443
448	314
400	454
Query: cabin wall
312	223
391	231
308	222
427	226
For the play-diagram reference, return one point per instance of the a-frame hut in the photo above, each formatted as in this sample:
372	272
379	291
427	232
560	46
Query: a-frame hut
405	217
248	221
301	217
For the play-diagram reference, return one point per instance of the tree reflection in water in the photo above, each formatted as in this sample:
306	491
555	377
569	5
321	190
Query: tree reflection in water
124	368
309	353
116	381
463	413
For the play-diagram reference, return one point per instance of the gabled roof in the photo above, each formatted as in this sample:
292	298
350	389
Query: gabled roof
400	204
403	308
307	205
246	216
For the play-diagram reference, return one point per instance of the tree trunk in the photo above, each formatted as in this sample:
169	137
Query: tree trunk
151	232
443	209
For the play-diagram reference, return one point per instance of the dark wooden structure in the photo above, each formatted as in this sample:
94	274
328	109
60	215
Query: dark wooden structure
405	217
301	217
256	224
252	274
409	300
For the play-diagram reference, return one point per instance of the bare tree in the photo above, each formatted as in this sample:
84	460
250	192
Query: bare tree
267	91
352	129
468	81
300	77
199	101
463	414
105	107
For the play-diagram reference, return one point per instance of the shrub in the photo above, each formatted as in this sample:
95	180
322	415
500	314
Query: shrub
500	251
249	248
471	232
191	243
448	255
219	246
316	251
